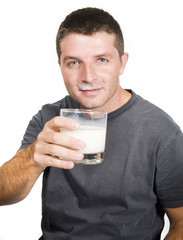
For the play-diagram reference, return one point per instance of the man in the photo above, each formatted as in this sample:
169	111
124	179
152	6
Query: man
141	177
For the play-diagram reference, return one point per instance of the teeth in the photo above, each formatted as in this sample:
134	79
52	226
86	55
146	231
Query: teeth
85	86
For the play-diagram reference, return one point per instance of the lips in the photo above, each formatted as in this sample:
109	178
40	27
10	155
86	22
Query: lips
89	87
91	92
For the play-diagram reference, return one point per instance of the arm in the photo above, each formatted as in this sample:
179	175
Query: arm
18	175
175	216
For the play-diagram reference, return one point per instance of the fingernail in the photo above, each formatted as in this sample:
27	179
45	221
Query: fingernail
71	165
81	145
79	155
75	125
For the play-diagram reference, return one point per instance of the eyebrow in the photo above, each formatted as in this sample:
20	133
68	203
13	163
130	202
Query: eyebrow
65	59
104	55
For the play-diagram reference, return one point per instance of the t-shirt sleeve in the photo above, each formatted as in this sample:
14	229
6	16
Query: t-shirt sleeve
35	126
169	173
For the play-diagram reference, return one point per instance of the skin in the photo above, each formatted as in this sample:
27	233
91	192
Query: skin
93	61
175	216
96	62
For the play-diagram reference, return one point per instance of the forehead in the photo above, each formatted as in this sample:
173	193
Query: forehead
77	43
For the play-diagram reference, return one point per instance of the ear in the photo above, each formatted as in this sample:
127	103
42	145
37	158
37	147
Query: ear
124	60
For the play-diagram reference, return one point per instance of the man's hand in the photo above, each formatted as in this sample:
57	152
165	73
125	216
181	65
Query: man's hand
51	144
18	175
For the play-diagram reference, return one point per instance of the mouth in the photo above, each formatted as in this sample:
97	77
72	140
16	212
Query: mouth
90	89
91	92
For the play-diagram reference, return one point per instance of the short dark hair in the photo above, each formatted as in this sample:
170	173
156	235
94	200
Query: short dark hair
89	21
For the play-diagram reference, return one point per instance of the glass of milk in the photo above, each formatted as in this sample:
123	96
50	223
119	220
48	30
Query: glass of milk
92	131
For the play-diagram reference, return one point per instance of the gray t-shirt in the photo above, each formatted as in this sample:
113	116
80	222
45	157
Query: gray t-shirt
122	198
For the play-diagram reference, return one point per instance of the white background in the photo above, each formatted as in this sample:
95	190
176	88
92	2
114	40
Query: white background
30	76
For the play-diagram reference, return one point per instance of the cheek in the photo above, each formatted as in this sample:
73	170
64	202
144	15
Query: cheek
110	76
69	78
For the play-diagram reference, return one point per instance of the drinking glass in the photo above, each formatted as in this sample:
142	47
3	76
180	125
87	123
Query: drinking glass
92	131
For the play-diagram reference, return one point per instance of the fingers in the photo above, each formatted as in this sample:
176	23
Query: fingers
51	144
47	160
59	151
60	139
61	122
45	155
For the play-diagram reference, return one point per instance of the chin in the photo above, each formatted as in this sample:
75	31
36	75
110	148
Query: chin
90	103
91	106
87	106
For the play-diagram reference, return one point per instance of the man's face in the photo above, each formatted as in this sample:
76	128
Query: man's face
91	66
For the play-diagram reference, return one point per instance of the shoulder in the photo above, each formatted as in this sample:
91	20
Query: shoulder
52	110
155	124
154	115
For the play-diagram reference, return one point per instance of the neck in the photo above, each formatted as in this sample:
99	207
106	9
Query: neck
118	100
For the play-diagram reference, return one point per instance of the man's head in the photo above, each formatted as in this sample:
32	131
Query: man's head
91	57
89	21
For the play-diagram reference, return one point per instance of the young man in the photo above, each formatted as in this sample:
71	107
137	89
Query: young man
141	177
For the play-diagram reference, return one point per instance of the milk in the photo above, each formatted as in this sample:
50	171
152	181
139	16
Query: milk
93	136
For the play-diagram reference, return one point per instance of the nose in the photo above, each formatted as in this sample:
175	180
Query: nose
88	73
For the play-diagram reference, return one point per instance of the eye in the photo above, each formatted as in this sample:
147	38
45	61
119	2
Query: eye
102	60
72	63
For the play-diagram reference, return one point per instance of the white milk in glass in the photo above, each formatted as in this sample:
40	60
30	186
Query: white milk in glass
93	136
92	131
